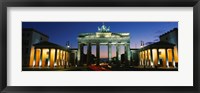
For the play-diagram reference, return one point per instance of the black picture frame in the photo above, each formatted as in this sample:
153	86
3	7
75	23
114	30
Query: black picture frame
100	3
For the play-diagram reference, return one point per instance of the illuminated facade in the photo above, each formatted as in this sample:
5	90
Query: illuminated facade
103	37
29	37
49	55
171	37
160	54
163	53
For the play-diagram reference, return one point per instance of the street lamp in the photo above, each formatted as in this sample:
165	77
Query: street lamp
67	44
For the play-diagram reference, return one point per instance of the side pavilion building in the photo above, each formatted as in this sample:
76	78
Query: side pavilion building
159	54
48	55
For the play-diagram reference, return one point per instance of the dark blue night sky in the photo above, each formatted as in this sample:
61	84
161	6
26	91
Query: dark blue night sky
60	32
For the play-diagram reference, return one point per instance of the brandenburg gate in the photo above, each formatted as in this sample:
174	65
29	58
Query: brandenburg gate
103	37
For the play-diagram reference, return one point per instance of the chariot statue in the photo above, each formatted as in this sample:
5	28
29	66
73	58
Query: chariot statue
103	28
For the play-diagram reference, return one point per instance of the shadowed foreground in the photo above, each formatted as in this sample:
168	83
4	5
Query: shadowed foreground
100	68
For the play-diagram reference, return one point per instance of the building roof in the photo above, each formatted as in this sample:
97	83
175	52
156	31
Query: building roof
134	48
46	44
73	48
160	44
31	29
175	29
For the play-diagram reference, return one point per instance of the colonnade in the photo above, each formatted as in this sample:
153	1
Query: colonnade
153	57
89	48
48	57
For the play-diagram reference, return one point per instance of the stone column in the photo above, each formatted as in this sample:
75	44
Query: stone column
32	54
61	58
144	57
66	58
147	57
75	59
151	55
55	57
173	59
58	58
140	58
65	62
88	53
109	52
50	64
158	57
35	55
127	53
146	54
38	57
43	58
166	55
98	53
80	54
52	58
117	52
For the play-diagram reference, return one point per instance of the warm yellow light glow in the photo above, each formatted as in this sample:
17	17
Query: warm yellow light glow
142	57
98	34
176	54
155	57
67	58
52	58
163	57
148	53
63	58
31	56
58	58
146	57
60	63
45	56
169	55
38	54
